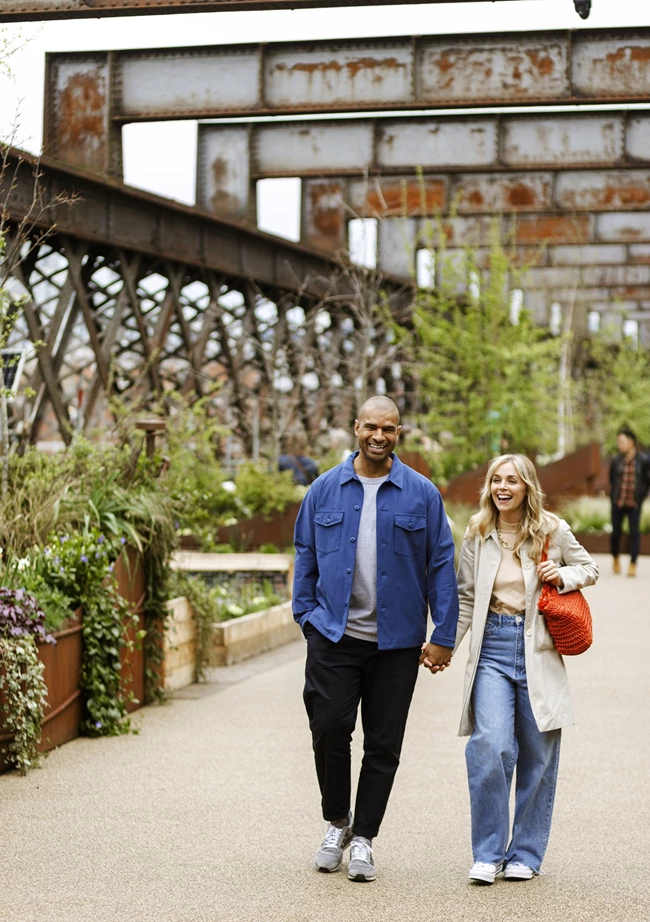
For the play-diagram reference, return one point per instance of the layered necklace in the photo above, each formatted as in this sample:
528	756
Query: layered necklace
502	540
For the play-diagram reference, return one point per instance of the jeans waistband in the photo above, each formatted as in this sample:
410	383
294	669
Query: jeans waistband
506	620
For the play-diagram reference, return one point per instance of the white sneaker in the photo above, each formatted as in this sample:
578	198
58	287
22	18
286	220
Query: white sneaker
361	867
515	870
336	840
484	872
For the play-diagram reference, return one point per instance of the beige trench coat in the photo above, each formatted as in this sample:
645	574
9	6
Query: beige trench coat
548	686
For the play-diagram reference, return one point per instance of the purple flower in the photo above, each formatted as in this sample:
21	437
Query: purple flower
84	559
176	523
110	568
97	555
122	540
101	539
98	724
57	560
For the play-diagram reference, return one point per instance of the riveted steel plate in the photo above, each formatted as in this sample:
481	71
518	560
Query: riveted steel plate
436	143
603	191
486	68
297	148
582	139
223	175
611	64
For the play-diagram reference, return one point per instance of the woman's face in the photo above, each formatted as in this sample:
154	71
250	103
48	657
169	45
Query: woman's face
508	490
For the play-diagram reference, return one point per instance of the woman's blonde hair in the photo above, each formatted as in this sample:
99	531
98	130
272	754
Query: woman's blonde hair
536	523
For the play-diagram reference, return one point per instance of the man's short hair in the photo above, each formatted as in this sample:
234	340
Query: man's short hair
625	430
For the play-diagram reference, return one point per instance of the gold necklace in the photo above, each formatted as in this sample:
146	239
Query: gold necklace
504	544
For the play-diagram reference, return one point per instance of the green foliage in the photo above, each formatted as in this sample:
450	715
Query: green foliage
262	491
486	383
23	695
81	566
214	604
619	389
593	515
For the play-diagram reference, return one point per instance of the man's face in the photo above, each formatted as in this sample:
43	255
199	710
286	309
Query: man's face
624	443
377	431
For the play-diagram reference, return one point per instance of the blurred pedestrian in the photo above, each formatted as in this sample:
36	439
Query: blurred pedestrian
294	459
629	478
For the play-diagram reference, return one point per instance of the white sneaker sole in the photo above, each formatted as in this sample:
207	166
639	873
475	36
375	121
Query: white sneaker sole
483	877
518	875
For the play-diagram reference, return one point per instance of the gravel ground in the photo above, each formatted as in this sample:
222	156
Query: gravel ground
211	813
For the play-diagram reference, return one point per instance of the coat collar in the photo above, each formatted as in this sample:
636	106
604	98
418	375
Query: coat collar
396	475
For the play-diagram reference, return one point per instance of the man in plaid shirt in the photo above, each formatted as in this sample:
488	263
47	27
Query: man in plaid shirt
629	478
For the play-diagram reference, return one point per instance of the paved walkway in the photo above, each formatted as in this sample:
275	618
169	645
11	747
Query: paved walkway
211	813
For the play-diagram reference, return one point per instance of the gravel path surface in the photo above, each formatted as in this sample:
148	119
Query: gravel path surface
211	813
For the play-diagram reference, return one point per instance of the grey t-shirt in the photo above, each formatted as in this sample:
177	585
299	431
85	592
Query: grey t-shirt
362	616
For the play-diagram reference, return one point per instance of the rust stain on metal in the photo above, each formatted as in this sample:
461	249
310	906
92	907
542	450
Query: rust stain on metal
222	201
609	197
407	198
521	195
81	129
543	63
326	224
637	53
552	229
352	68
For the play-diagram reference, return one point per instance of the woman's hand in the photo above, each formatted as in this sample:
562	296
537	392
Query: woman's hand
549	573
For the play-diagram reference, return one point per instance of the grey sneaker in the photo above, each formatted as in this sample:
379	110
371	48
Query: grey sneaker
336	840
361	867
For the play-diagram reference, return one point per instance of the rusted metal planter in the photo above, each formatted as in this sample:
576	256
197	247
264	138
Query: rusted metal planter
65	704
599	543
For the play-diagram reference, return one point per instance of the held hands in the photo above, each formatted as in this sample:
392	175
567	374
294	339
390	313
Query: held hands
549	573
435	658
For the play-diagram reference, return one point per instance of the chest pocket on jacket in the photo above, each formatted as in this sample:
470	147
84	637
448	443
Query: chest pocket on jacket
410	534
329	526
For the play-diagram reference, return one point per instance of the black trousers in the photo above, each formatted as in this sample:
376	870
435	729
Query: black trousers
633	514
339	676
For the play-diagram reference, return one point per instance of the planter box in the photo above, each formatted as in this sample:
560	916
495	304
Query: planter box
241	638
599	544
180	645
65	705
260	565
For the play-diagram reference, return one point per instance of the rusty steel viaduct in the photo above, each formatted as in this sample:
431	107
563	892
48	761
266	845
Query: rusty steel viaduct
131	293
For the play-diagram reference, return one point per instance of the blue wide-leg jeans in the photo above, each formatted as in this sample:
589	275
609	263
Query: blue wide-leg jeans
506	737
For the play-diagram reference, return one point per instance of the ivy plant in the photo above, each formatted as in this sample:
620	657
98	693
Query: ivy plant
23	694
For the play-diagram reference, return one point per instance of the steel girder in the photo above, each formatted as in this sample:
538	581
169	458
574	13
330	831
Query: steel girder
23	10
135	296
540	162
89	95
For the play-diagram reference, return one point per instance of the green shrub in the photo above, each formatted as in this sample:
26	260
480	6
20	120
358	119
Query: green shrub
262	491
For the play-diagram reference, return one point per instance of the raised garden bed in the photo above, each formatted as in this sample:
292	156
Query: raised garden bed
599	543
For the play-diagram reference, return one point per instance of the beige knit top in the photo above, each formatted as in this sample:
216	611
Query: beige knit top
509	591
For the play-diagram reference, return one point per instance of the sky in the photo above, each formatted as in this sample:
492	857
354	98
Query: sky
160	157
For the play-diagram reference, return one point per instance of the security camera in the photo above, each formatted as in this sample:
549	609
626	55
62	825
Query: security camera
583	8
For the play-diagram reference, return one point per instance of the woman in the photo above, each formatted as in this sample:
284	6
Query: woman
516	696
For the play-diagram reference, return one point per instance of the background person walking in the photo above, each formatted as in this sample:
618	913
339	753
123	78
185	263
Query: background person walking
373	551
516	695
629	479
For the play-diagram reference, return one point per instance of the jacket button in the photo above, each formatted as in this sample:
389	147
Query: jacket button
528	632
352	540
348	570
356	508
410	524
526	566
327	521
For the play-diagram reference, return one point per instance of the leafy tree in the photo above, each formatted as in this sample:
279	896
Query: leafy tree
487	382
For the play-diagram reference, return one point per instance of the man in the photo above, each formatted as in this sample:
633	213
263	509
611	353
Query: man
294	459
629	478
373	551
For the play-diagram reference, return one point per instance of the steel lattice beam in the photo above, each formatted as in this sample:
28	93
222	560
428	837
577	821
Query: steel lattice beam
24	10
136	296
90	95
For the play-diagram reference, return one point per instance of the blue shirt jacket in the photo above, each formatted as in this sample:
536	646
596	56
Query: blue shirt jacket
415	557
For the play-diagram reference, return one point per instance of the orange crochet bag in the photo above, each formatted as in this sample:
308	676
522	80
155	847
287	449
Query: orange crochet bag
568	618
